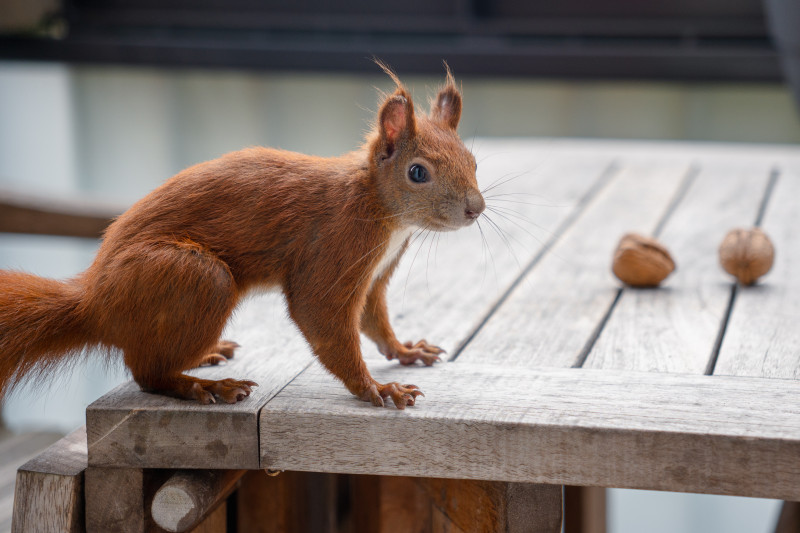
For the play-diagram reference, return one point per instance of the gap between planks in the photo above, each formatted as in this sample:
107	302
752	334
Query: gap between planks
723	328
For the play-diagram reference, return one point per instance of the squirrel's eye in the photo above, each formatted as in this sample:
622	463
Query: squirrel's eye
418	174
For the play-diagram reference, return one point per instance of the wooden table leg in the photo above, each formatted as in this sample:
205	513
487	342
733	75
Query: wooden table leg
464	505
384	504
789	519
291	502
115	500
584	509
387	504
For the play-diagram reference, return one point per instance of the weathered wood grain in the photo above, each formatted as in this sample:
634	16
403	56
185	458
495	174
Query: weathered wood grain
763	338
115	500
562	426
16	450
675	328
496	506
49	489
128	427
188	496
554	312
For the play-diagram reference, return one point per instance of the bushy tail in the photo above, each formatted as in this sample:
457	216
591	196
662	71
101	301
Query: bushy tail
40	324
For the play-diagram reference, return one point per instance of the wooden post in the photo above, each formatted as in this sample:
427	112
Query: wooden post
188	496
115	500
49	490
494	506
584	509
789	519
384	504
290	502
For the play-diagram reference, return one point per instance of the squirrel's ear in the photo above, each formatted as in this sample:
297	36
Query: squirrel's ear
396	120
446	107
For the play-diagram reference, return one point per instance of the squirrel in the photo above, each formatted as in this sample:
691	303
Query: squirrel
328	232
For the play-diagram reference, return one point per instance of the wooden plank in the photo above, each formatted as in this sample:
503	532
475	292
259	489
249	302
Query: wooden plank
675	328
494	507
291	502
554	312
584	509
762	338
131	428
687	433
17	450
115	500
189	496
386	504
49	489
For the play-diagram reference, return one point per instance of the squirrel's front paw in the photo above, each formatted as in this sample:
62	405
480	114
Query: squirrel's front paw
409	353
401	395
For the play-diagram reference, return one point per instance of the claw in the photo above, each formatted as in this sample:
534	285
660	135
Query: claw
401	395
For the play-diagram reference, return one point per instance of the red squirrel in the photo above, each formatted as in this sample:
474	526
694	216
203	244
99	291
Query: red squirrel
328	232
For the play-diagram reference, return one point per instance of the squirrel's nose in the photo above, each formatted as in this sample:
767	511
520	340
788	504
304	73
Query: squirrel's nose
475	205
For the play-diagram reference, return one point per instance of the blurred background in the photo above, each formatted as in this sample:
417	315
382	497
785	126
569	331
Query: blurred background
102	101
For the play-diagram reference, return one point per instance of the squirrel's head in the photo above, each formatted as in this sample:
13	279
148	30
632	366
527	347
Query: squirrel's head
425	175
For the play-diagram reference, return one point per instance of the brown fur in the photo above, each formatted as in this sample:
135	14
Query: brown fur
172	268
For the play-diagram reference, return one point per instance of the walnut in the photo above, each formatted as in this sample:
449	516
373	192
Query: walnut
641	261
746	254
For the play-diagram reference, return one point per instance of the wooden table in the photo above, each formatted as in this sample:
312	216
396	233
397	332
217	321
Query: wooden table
555	375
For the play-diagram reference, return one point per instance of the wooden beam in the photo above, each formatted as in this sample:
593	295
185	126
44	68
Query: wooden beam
709	434
49	491
49	215
188	496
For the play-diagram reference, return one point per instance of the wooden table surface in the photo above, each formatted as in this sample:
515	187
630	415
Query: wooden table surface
556	374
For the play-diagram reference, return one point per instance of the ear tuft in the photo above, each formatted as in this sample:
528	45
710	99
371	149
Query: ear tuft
396	117
446	107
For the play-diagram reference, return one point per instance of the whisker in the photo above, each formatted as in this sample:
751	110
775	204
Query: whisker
504	179
511	212
502	236
486	248
423	232
521	202
507	218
